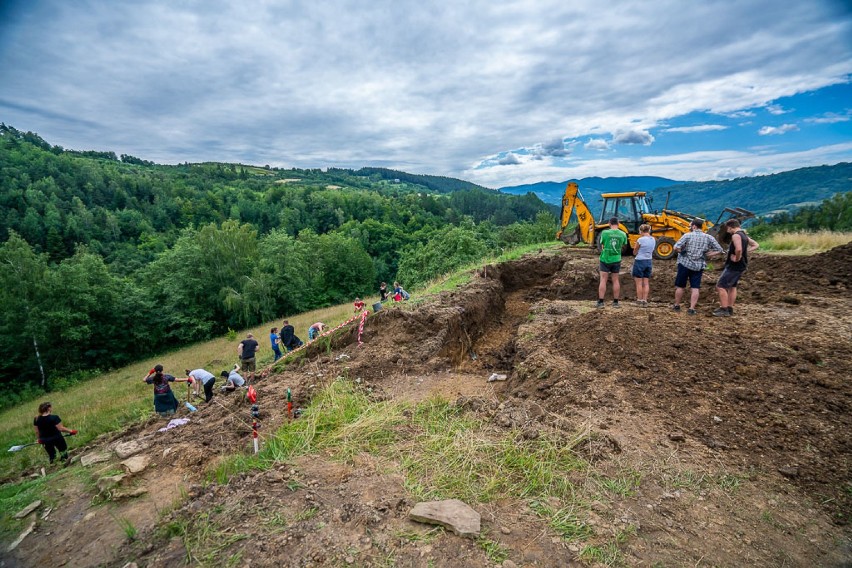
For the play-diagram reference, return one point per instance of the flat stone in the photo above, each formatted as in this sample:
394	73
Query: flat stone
93	458
126	449
789	471
452	514
110	481
28	509
677	437
136	463
129	494
22	536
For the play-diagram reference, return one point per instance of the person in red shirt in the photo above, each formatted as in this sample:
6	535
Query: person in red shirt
359	305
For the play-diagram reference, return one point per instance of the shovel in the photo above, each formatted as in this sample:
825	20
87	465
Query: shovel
21	447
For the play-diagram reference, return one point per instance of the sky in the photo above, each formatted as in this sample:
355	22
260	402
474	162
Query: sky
497	93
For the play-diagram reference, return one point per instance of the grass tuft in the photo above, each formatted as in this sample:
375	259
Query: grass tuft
805	242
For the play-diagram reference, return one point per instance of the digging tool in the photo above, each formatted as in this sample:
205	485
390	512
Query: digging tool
22	446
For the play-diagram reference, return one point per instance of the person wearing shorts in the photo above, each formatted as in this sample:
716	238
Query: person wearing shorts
735	265
692	248
643	252
246	351
612	242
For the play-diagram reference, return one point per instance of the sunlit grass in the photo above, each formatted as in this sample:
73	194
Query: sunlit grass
803	242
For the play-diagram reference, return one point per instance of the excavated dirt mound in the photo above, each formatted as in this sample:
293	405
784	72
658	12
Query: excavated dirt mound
735	431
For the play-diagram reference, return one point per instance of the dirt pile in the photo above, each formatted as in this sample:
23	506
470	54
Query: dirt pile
716	440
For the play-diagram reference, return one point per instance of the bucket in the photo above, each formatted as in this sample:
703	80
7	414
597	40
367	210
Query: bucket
377	306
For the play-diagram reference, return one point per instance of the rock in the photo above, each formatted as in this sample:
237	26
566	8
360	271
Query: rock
129	494
93	458
505	530
717	419
789	471
126	449
109	482
676	437
509	564
166	452
497	377
28	509
451	514
136	463
22	536
274	476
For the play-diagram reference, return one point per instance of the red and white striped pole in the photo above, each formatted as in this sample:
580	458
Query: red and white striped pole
254	435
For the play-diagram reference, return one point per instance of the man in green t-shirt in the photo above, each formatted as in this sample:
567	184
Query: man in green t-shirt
612	241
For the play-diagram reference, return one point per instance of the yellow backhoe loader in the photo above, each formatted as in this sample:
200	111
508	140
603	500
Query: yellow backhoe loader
632	209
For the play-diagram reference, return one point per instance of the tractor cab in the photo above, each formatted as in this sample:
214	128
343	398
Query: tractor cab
628	207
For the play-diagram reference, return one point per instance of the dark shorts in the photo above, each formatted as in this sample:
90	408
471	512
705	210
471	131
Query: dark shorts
684	274
613	267
642	268
729	279
249	364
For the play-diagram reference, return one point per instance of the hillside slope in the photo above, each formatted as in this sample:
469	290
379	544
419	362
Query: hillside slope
632	436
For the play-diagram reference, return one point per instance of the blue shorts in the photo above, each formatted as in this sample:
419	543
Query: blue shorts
642	268
729	279
613	267
684	274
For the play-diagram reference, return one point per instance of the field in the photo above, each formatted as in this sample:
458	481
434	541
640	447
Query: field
620	437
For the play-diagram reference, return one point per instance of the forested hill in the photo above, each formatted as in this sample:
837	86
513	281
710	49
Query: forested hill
765	195
107	257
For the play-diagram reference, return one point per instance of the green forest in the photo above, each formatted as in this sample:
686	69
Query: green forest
833	214
107	259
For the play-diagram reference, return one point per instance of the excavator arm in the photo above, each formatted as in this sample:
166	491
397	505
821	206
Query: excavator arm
573	202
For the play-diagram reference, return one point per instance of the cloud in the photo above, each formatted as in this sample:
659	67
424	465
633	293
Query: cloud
771	130
633	137
740	114
510	159
697	128
777	109
596	144
555	147
830	118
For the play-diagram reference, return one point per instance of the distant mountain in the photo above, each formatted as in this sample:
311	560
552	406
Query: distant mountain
591	188
765	195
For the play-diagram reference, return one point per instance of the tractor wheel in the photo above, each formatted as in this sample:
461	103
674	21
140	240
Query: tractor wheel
665	248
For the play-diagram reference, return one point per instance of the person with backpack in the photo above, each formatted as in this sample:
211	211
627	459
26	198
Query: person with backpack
48	428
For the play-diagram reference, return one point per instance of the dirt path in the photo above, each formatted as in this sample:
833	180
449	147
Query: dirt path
719	443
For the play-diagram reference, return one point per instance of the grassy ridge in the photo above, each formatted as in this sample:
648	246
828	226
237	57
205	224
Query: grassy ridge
805	242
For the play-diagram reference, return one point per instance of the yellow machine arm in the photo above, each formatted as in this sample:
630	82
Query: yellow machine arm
572	201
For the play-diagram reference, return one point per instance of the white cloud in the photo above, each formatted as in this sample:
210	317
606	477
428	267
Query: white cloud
596	144
697	128
776	109
771	130
510	159
830	118
633	137
555	147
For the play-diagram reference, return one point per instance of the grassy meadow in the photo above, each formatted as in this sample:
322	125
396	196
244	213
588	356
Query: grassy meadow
804	242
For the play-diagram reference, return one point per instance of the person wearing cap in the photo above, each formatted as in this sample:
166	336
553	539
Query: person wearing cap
692	249
246	351
612	242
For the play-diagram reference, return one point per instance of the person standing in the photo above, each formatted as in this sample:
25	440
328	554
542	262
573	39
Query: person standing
275	340
201	377
315	330
735	264
612	242
643	253
165	402
383	292
692	248
49	430
247	352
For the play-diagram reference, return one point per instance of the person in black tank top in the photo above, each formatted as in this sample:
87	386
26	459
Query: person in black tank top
735	265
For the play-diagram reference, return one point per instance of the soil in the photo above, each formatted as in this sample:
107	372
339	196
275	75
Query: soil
737	431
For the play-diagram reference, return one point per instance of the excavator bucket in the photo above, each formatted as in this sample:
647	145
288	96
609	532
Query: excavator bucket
720	231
